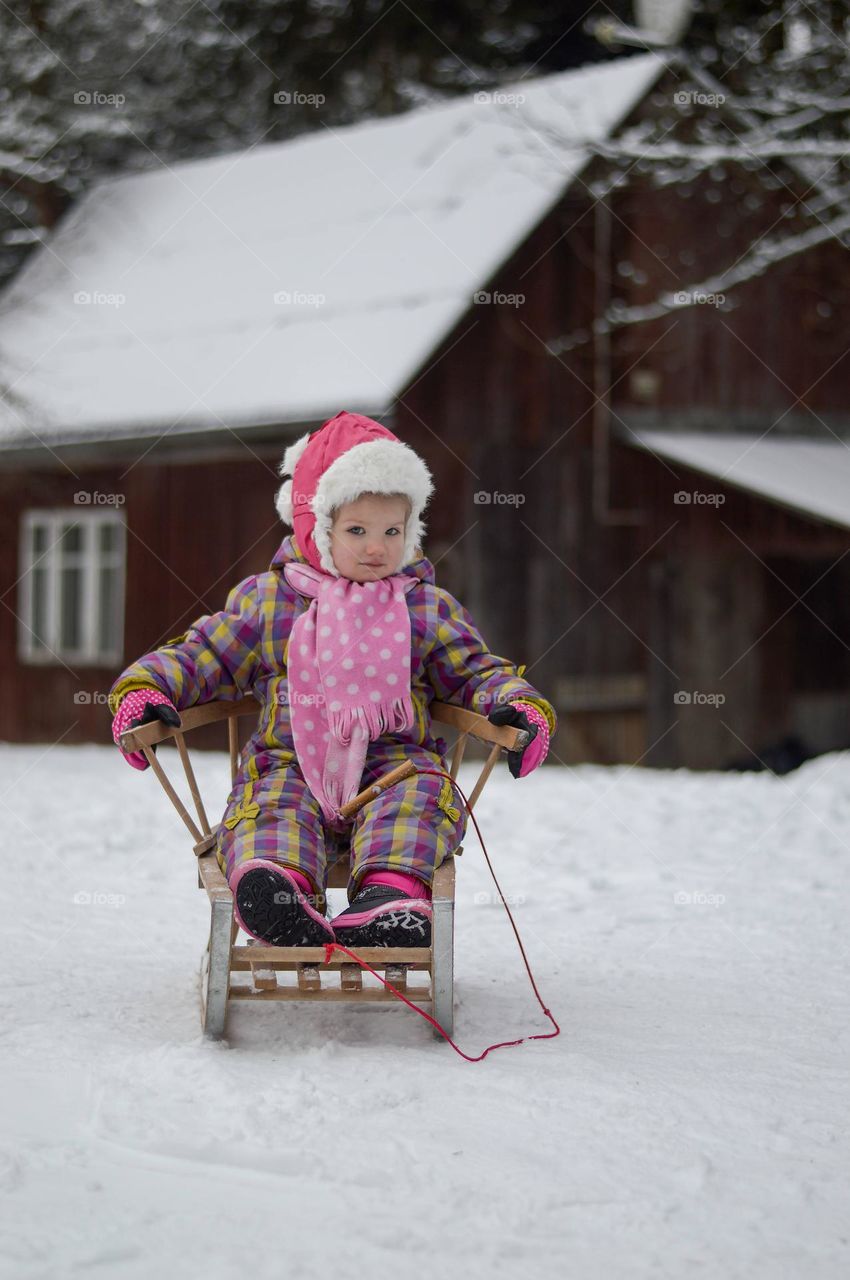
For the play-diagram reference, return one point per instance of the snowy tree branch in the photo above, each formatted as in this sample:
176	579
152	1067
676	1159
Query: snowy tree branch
762	256
712	153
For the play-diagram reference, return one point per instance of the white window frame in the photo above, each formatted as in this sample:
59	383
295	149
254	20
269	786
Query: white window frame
91	559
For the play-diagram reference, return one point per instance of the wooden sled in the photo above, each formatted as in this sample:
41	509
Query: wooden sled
262	965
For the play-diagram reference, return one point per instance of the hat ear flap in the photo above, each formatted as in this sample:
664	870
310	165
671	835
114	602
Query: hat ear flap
291	456
283	502
413	540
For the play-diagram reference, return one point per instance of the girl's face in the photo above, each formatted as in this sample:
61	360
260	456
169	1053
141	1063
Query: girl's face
367	537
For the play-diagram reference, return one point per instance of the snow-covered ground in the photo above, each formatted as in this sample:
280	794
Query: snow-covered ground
689	932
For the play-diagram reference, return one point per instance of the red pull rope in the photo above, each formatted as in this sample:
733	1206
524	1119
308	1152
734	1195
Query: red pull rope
330	947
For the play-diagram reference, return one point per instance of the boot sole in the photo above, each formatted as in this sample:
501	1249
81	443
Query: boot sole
397	927
272	909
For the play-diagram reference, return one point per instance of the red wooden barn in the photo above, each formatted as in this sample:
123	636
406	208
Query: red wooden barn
653	516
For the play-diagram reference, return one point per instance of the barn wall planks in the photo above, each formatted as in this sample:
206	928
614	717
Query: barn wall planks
608	600
193	533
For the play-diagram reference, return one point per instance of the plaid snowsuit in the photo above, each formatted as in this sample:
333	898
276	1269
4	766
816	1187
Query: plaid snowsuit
271	812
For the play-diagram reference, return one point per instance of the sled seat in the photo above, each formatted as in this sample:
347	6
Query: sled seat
256	971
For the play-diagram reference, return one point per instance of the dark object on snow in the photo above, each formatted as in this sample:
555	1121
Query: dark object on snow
780	758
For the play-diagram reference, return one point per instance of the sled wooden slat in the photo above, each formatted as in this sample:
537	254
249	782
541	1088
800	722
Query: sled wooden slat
457	756
211	877
397	975
150	756
350	977
309	978
338	873
291	957
377	995
183	752
484	775
225	957
263	979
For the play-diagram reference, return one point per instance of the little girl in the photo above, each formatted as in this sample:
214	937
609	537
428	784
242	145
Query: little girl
344	642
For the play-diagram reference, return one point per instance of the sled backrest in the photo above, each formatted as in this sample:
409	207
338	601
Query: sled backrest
468	724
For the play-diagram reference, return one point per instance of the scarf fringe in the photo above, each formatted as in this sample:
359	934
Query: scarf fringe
371	718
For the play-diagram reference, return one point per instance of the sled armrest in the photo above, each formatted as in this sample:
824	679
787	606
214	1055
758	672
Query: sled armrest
466	722
148	735
145	737
478	726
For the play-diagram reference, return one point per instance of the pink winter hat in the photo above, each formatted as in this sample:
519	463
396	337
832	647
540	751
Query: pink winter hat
348	456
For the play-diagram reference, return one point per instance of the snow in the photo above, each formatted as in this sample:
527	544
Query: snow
380	233
690	1119
809	476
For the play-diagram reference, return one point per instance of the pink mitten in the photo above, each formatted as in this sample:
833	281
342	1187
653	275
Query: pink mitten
140	706
537	750
522	715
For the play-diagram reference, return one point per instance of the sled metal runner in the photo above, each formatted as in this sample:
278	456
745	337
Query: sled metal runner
255	971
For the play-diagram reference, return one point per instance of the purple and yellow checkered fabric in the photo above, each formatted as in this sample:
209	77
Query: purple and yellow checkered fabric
271	811
411	827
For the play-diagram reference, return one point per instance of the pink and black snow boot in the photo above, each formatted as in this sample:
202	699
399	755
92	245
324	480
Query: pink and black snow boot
389	910
271	903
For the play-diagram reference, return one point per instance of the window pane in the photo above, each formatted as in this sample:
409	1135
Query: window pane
71	609
38	617
109	619
39	539
72	538
108	537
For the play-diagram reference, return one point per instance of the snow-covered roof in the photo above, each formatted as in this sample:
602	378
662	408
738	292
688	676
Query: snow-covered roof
808	476
379	233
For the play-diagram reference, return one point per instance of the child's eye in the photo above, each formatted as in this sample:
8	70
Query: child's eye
358	529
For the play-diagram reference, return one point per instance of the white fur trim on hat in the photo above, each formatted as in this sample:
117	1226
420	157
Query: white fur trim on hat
376	466
283	502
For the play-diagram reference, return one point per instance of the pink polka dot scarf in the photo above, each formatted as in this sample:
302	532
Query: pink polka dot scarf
348	674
